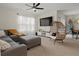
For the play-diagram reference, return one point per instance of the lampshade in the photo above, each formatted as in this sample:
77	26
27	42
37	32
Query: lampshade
34	10
77	21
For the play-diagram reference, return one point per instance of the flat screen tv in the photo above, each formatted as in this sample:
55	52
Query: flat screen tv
46	21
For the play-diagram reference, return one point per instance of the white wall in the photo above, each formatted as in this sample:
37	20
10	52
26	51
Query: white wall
48	14
8	19
71	12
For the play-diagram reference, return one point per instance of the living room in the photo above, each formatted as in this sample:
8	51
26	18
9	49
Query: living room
33	27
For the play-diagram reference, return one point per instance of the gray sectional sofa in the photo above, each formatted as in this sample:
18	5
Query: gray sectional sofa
20	45
15	49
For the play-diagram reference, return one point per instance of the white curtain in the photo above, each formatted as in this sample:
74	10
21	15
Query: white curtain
26	24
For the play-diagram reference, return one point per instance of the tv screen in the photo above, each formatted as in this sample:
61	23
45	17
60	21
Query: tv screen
46	21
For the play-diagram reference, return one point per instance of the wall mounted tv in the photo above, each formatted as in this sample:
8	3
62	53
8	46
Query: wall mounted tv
47	21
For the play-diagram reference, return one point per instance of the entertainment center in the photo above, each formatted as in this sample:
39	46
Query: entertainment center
45	25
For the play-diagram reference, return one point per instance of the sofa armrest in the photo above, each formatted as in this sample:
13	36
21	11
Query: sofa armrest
20	50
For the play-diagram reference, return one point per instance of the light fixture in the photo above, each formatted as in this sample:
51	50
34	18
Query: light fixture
34	10
77	21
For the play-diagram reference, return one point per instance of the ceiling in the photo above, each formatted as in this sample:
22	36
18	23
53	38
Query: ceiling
21	8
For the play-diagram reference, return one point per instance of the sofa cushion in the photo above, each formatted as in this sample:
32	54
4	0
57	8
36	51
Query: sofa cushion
10	41
30	41
4	45
2	33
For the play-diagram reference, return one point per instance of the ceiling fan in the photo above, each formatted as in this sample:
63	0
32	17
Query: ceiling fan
34	6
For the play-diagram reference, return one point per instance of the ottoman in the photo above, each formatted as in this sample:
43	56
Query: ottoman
30	41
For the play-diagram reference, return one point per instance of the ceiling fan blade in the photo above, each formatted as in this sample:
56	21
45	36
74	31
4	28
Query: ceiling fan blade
40	8
33	4
28	5
37	4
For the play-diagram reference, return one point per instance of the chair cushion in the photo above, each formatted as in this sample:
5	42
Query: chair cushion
60	35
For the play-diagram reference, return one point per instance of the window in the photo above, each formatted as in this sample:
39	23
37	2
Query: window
26	24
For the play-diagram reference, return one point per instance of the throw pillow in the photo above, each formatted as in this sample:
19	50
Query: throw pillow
2	33
4	45
53	34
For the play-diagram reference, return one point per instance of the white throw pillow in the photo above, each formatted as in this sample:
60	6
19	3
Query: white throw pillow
4	45
2	33
39	33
